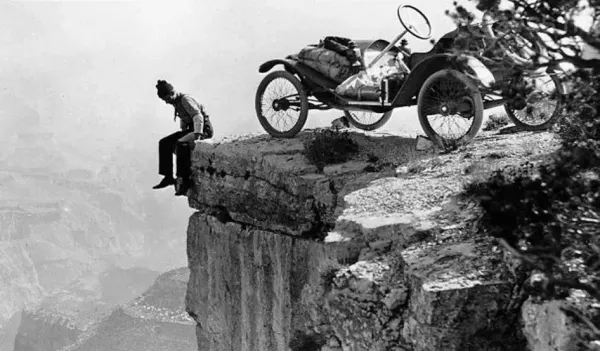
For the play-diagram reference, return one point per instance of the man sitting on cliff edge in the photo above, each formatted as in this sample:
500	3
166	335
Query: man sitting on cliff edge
195	125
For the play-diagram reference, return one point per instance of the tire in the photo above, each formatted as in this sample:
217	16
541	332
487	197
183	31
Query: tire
355	121
520	121
457	98
265	103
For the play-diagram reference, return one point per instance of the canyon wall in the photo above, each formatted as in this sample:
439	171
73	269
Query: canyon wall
285	257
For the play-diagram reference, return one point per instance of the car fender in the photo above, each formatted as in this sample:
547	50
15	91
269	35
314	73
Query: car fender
288	64
476	70
311	78
426	67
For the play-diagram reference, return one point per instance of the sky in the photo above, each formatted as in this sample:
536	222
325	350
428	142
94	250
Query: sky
87	69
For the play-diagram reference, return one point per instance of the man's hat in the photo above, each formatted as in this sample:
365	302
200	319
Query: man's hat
164	88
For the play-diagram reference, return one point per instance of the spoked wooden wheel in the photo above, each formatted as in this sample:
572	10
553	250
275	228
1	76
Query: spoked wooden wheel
367	120
281	104
542	106
450	108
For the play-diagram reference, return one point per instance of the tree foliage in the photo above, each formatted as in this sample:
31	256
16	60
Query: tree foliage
556	30
548	215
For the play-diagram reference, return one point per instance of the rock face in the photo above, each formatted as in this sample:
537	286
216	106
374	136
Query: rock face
283	257
459	299
547	327
8	332
19	270
154	321
44	332
245	288
265	185
61	318
61	225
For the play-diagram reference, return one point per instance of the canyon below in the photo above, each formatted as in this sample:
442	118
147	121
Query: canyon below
377	253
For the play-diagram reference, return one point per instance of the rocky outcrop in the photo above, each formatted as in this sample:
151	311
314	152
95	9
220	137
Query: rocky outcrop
16	221
547	327
8	332
154	321
61	318
460	298
246	284
55	230
266	185
69	214
18	277
284	257
561	325
44	332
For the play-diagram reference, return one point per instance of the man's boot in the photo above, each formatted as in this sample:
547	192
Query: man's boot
165	182
182	185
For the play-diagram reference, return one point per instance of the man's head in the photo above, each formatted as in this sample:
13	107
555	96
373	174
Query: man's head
165	91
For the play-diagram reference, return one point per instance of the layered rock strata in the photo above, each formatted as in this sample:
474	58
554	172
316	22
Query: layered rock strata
284	257
60	319
39	331
155	320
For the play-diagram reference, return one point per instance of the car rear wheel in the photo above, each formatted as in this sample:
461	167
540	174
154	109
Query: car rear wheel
281	104
543	105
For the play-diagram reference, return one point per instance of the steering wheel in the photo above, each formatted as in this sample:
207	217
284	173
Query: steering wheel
407	15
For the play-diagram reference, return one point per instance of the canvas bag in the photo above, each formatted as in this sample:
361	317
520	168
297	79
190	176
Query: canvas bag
207	128
327	62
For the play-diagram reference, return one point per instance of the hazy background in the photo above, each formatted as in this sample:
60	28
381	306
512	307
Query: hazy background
88	68
84	240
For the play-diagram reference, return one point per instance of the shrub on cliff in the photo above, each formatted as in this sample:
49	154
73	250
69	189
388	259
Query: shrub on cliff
549	216
496	121
326	147
580	128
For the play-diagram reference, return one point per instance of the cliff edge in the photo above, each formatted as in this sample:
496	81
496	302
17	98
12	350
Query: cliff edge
283	256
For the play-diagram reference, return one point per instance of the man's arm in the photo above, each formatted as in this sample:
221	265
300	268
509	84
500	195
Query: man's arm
194	110
182	125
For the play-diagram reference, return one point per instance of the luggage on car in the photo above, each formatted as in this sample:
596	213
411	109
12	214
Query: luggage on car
359	86
327	62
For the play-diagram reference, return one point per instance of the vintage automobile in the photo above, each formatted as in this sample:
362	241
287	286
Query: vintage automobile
445	88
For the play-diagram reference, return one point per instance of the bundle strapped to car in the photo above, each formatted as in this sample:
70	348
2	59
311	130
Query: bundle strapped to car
340	60
334	57
379	83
